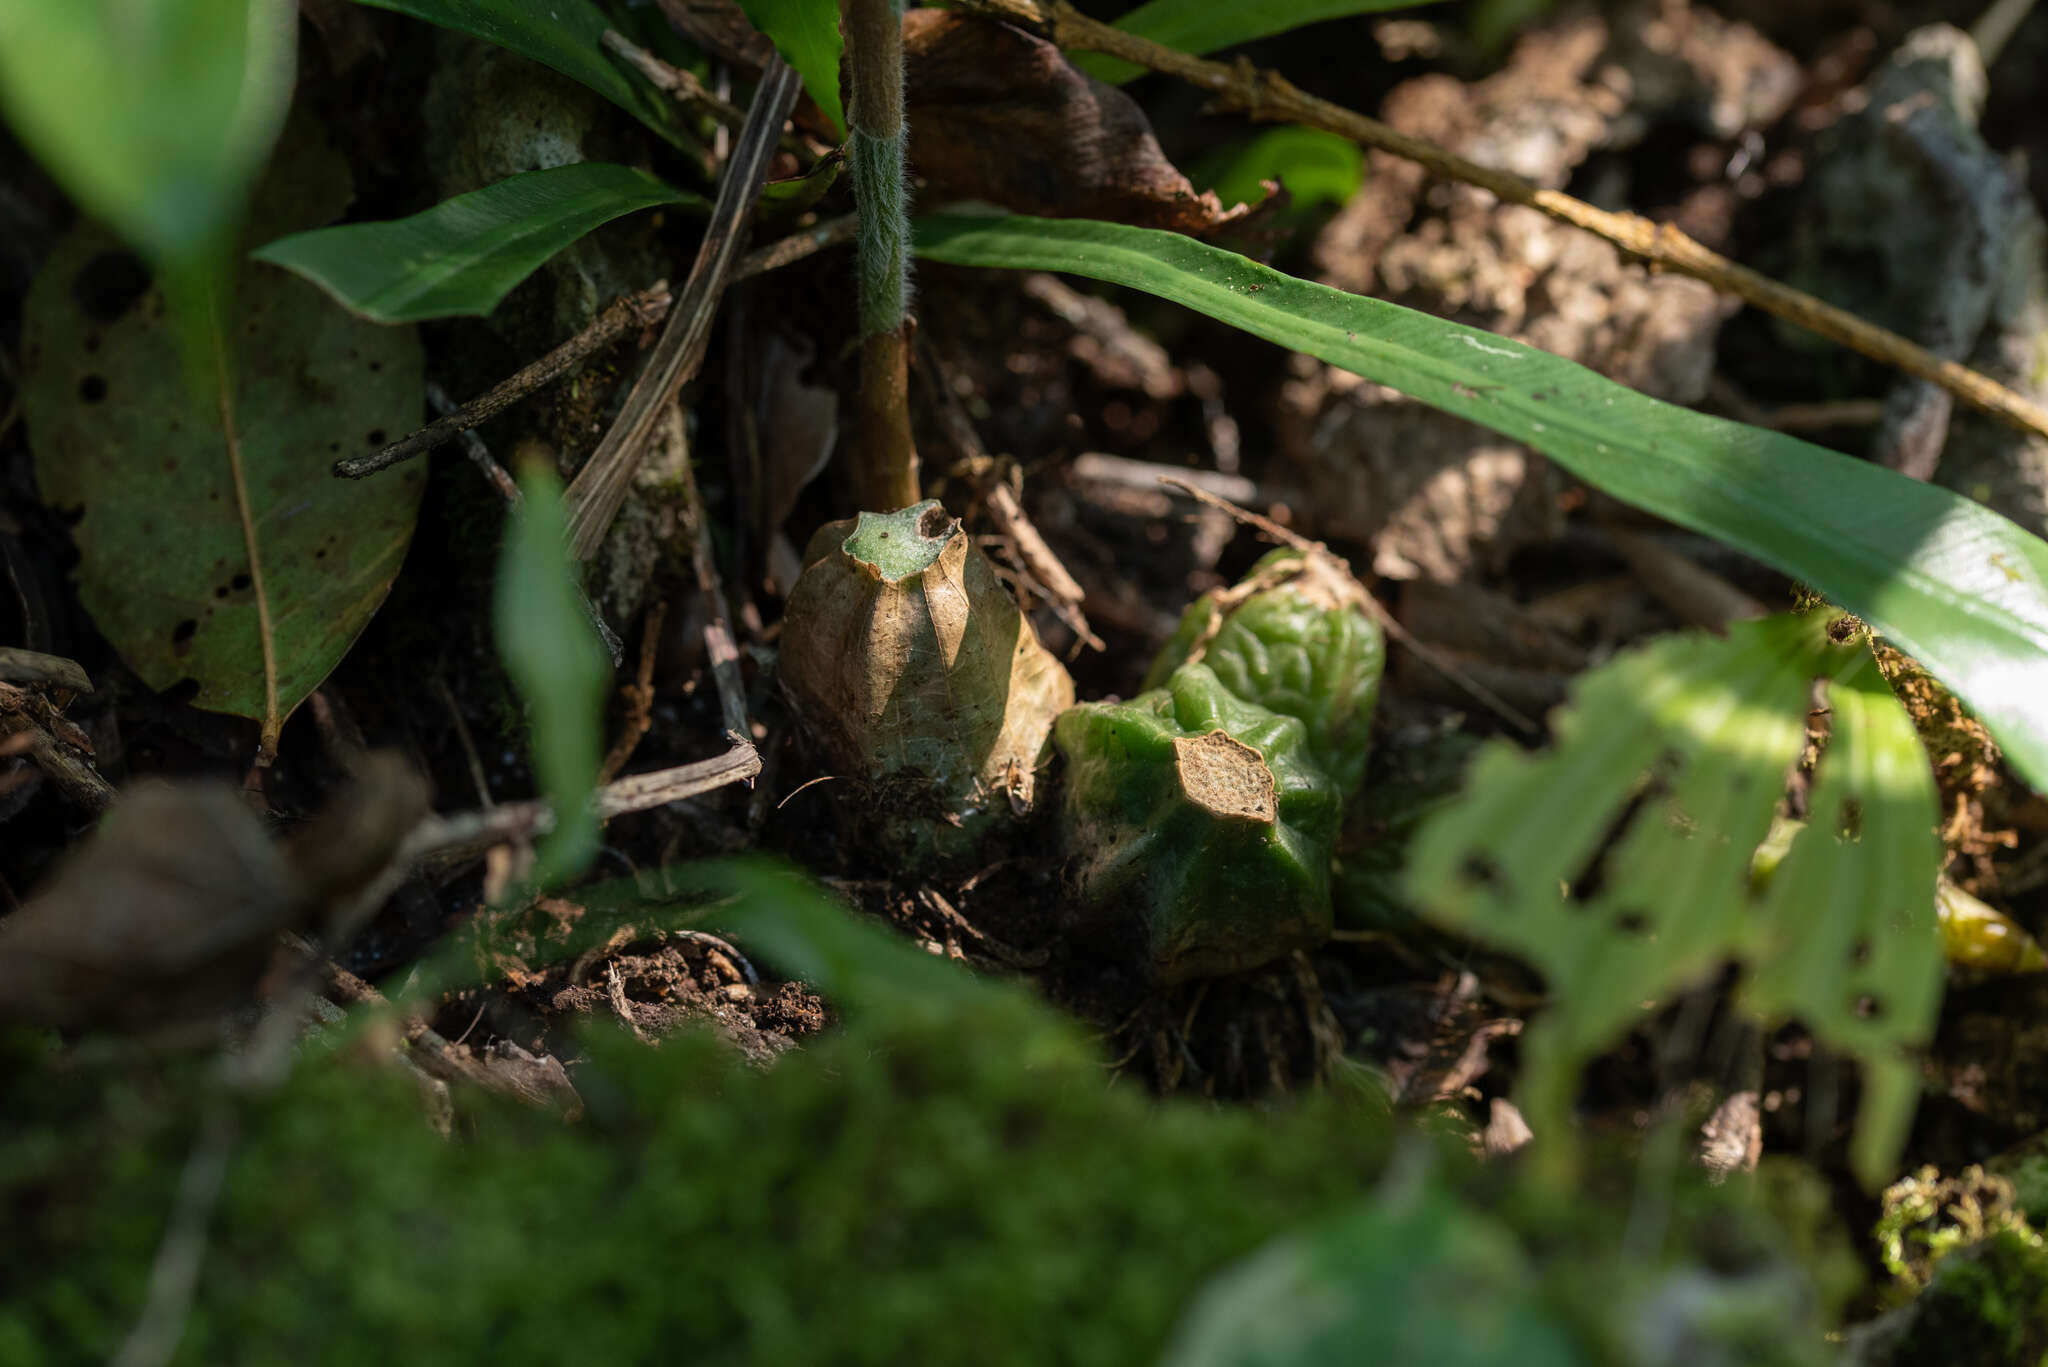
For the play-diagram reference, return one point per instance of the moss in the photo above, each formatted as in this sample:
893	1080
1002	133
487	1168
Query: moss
965	1190
1987	1306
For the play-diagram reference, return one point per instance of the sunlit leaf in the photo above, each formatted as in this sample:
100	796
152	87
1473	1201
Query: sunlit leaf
561	668
1674	757
1201	26
1946	580
465	254
1846	936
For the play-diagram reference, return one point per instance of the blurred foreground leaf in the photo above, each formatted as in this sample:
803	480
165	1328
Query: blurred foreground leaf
122	437
155	117
553	655
1673	758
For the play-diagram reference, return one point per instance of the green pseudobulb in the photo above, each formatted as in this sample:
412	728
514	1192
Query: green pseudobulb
1294	636
1207	817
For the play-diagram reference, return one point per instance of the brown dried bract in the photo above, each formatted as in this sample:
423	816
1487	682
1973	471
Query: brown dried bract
999	115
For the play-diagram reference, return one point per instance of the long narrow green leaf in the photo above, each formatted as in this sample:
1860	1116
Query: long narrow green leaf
465	254
1200	26
567	35
1948	581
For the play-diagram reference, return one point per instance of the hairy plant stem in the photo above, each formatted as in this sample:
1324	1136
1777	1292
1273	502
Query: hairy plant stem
885	474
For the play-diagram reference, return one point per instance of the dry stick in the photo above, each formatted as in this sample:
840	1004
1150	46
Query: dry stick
1386	620
639	698
718	638
1268	96
831	233
600	487
680	84
473	447
621	316
473	832
1004	509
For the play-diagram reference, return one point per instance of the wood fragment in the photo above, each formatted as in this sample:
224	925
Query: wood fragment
66	767
1267	96
32	666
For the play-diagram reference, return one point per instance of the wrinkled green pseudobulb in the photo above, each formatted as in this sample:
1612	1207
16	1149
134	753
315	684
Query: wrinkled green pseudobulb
1206	817
1294	636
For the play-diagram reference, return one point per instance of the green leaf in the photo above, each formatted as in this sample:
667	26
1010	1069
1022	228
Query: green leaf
567	35
560	667
121	435
806	33
154	117
465	254
1315	167
1202	26
1684	745
1946	580
1847	935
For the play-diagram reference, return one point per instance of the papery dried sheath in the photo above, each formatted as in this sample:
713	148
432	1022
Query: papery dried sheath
909	660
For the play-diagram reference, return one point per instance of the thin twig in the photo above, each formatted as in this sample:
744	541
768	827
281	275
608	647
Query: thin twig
680	84
625	313
719	642
600	487
473	447
473	832
832	232
1426	654
1268	96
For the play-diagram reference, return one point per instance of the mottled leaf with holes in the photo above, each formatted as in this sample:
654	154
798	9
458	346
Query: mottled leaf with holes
1674	758
123	438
